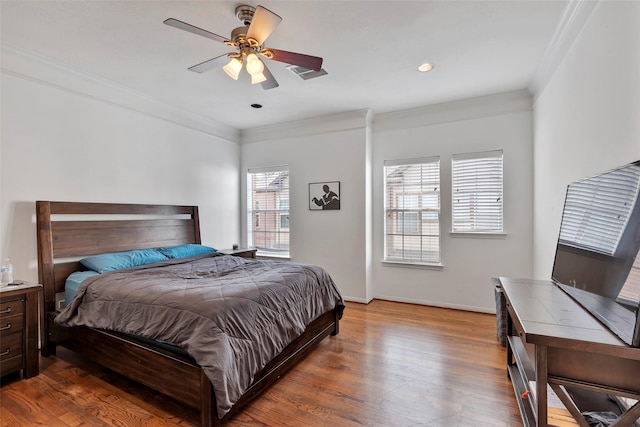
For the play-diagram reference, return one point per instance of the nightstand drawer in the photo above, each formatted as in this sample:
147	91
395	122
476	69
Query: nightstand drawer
11	324
10	348
11	365
11	307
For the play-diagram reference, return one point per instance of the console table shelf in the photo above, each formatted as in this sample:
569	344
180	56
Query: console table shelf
519	373
553	342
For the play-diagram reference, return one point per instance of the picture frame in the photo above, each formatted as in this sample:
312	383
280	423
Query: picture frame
324	196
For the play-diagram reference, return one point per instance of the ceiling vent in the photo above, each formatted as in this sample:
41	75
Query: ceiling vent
305	73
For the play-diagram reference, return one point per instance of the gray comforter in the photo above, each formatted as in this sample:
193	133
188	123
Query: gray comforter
232	315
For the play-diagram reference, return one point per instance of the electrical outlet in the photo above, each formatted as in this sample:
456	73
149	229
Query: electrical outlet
61	301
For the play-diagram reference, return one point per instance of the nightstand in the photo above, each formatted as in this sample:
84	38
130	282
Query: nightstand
242	252
19	318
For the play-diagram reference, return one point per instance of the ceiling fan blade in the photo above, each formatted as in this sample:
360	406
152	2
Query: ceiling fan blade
271	82
218	61
195	30
306	61
262	24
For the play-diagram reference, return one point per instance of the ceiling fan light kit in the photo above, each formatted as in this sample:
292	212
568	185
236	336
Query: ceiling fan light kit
258	78
233	68
258	23
254	64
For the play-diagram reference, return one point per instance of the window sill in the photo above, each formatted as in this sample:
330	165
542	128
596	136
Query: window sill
479	235
410	264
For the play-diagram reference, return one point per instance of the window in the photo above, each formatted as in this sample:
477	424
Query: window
284	216
412	210
268	210
257	215
477	192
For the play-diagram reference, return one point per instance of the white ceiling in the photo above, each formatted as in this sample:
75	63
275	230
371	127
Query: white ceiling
371	50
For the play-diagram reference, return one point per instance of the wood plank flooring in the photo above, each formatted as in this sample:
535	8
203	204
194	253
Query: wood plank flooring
392	364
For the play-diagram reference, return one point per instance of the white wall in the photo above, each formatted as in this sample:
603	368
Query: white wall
66	136
59	143
587	117
349	243
500	122
323	149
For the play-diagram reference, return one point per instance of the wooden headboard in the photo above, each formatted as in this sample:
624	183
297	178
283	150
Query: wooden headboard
69	231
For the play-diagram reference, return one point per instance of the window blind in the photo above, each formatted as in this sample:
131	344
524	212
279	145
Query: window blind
477	185
412	210
268	210
597	210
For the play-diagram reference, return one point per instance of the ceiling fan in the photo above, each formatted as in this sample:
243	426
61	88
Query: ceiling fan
248	40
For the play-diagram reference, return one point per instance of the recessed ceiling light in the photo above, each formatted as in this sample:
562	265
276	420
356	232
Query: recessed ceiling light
256	105
425	67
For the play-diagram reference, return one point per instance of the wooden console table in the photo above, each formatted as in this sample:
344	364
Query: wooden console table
552	340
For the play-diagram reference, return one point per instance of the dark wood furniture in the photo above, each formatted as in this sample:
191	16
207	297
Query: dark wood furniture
74	230
553	340
19	320
242	252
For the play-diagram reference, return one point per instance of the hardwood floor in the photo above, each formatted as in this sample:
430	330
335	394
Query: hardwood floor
392	364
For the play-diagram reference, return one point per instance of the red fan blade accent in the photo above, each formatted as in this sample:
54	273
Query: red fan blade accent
306	61
218	61
271	82
195	30
262	24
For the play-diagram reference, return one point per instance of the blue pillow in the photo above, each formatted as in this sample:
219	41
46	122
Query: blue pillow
118	260
73	282
184	251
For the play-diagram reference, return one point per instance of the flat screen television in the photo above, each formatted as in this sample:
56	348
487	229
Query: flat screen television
597	261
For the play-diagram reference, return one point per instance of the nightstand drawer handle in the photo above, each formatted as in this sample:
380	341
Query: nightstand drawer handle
6	311
4	353
6	328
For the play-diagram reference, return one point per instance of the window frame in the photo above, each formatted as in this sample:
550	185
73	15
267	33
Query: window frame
421	207
479	206
268	209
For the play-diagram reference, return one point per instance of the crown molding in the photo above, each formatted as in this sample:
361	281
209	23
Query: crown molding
356	119
465	109
573	20
30	66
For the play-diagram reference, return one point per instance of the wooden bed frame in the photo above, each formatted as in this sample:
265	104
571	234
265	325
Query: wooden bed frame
68	231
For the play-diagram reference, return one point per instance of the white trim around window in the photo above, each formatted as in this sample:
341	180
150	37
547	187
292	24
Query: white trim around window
412	212
268	211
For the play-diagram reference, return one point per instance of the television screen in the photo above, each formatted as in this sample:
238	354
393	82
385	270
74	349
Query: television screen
597	259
